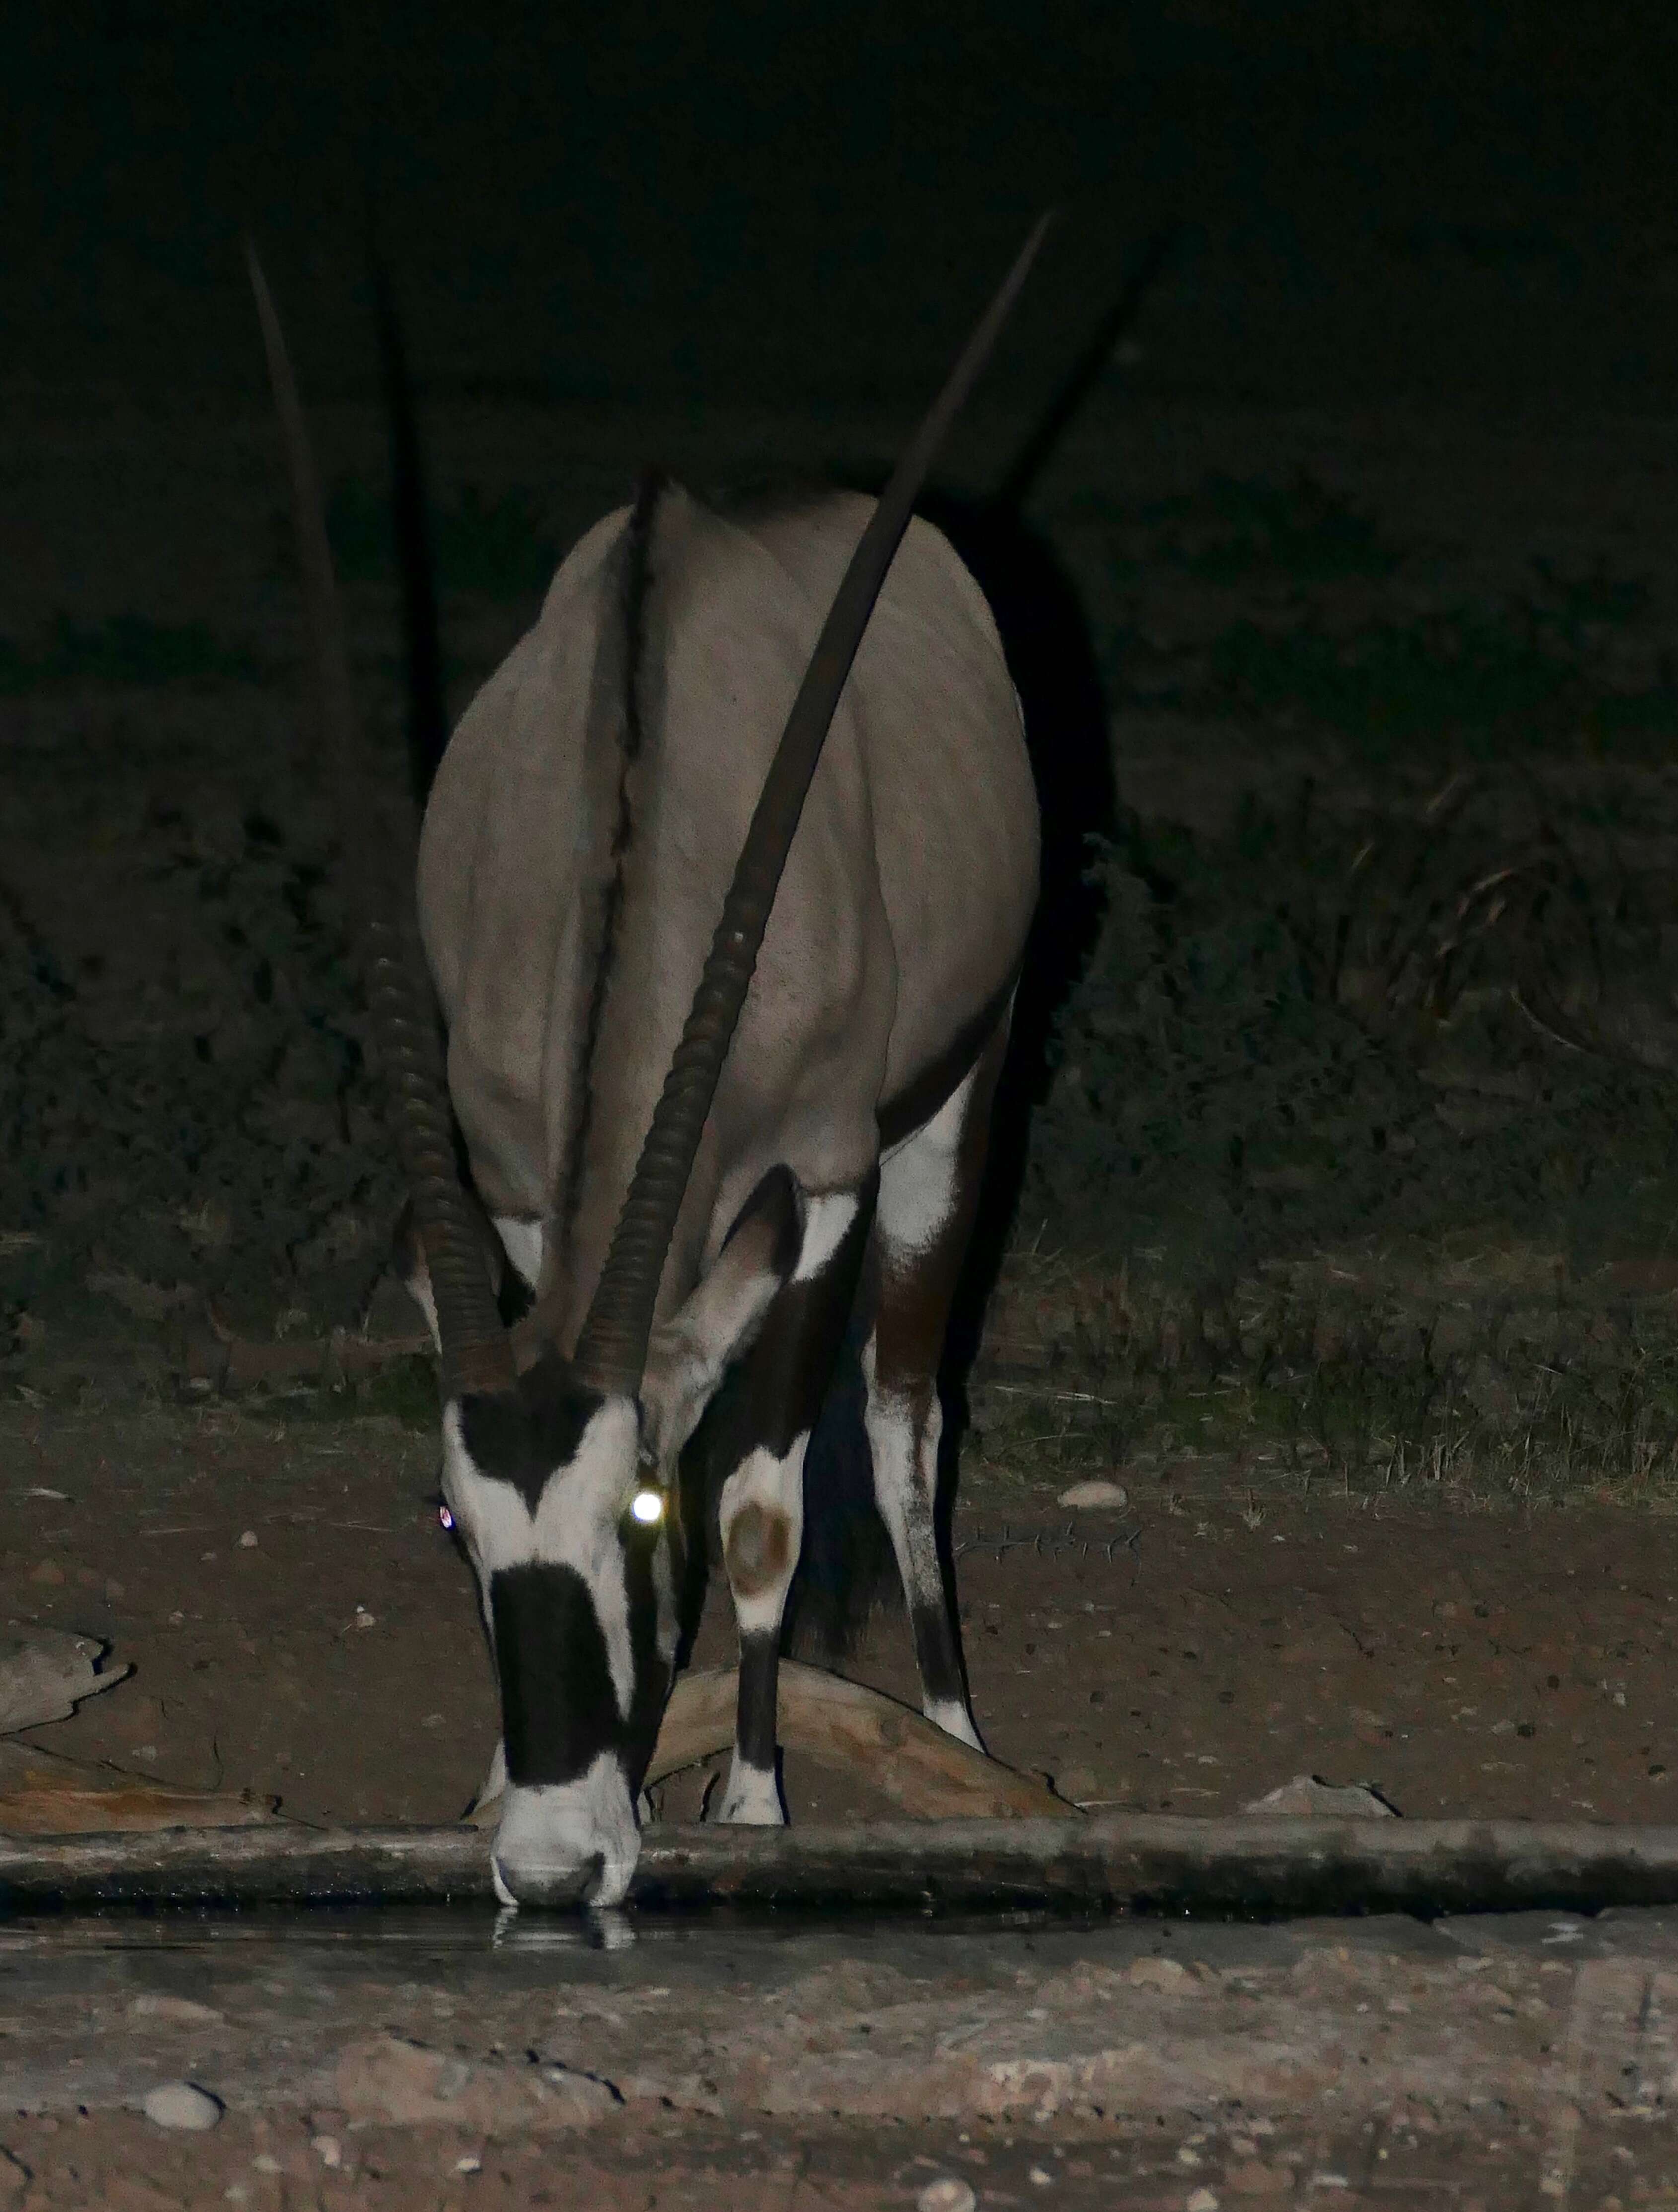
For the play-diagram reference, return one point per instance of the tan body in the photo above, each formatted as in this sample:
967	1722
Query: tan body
898	928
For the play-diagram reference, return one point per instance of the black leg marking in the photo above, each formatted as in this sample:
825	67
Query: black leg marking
936	1177
760	1514
755	1736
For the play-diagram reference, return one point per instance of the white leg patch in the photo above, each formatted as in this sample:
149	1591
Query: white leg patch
906	1481
830	1214
523	1242
919	1177
752	1799
953	1717
773	1490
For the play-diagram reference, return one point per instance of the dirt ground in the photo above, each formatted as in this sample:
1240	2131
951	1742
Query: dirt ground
273	2162
443	2059
1188	1654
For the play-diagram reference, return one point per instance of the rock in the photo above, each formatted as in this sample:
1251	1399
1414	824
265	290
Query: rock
48	1571
1306	1798
179	2011
1202	2200
327	2149
1168	1975
247	1542
1095	1497
45	1674
181	2105
949	2193
135	1295
42	1795
1251	2177
389	2078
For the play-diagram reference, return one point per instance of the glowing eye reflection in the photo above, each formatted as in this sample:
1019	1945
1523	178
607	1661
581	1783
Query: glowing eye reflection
446	1518
647	1506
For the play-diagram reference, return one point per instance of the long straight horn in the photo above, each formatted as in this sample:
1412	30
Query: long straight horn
476	1354
611	1350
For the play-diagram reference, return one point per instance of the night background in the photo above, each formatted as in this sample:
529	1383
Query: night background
1337	1173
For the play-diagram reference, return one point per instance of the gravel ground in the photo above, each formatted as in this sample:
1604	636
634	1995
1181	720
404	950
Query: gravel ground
1503	2064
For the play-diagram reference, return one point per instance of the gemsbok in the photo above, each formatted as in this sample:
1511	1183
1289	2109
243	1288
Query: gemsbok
723	886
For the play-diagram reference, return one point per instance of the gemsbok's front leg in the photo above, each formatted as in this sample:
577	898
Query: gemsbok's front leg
761	1510
928	1195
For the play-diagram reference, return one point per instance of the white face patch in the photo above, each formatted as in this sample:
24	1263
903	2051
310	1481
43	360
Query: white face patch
523	1242
575	1524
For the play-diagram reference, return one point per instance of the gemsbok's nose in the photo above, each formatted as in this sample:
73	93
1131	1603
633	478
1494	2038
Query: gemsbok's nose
567	1844
538	1883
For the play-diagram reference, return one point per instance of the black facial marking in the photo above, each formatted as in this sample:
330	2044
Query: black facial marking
559	1710
523	1436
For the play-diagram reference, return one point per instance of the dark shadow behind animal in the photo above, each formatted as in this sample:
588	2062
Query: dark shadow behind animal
846	1567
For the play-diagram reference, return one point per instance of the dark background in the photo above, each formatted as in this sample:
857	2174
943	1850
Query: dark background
1378	486
756	200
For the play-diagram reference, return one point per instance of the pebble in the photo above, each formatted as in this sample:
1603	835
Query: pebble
468	2165
949	2193
327	2149
180	2105
247	1542
1095	1497
1170	1976
1202	2200
185	2012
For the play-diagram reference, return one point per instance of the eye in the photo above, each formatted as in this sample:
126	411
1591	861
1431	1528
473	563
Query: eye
445	1520
647	1506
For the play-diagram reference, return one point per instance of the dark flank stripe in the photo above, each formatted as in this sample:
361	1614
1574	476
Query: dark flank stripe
914	1106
